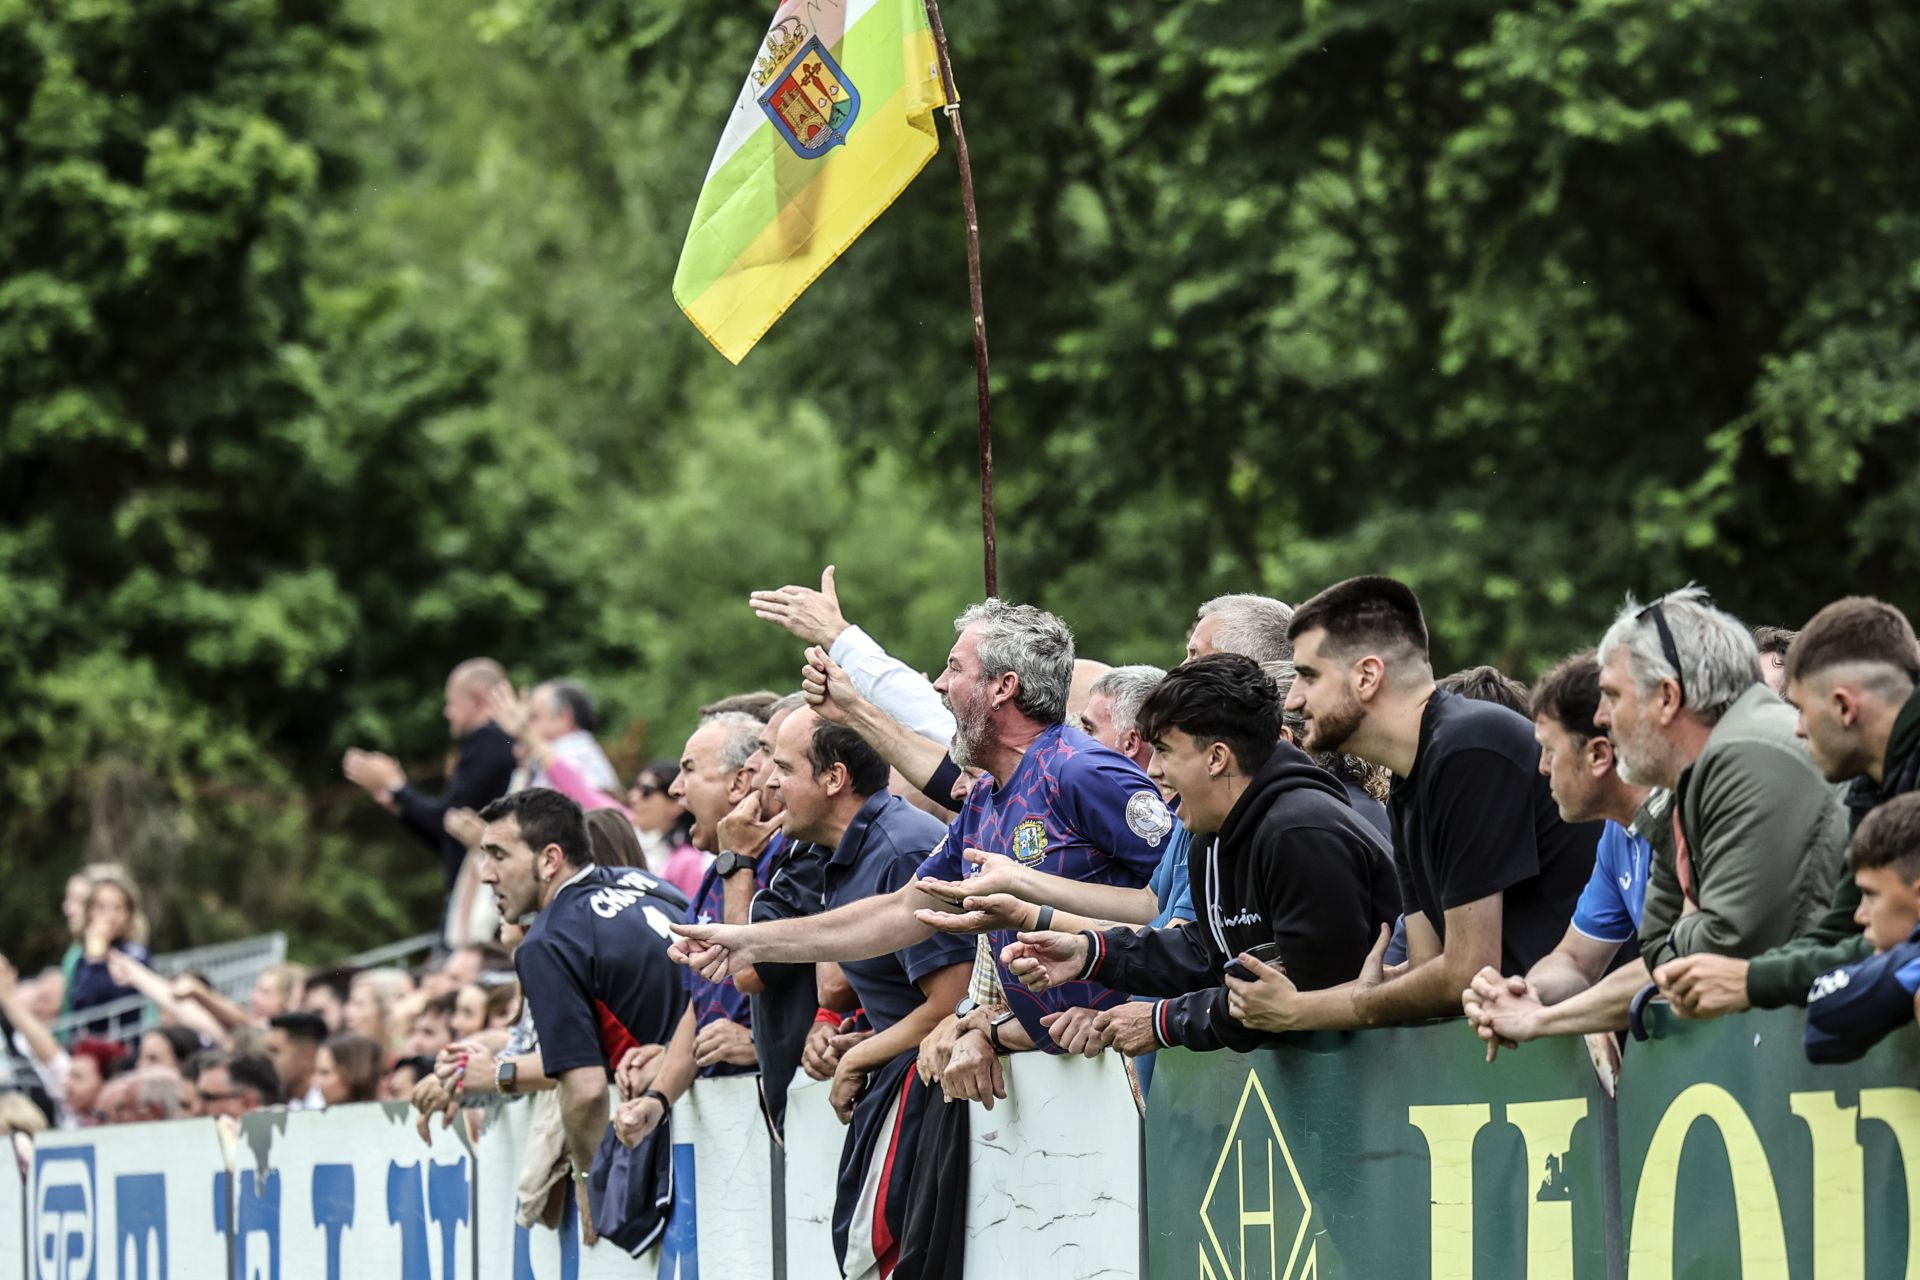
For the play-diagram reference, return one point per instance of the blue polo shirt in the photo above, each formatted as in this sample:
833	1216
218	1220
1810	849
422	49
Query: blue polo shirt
594	968
720	1001
1616	894
1072	808
1171	884
882	849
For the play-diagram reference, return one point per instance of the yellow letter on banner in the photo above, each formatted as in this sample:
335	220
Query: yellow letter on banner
1763	1237
1547	1129
1450	1132
1899	1110
1839	1193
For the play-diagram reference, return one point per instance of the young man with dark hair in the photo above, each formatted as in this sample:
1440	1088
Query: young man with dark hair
1854	675
293	1042
1852	1007
593	969
1582	773
1287	866
1489	872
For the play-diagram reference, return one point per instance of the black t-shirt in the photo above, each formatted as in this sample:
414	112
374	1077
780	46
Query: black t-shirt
595	970
1476	817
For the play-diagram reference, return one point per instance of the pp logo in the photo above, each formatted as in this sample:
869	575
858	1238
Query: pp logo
63	1214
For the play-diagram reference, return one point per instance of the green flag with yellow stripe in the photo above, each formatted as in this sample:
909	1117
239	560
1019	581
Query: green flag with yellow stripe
834	121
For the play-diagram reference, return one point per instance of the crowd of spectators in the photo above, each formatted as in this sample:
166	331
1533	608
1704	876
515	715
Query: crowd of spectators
890	881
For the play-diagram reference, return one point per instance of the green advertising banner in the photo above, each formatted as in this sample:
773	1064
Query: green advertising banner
1403	1153
1741	1158
1397	1153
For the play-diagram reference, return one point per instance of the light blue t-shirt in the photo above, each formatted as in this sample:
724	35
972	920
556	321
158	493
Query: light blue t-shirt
1172	886
1610	906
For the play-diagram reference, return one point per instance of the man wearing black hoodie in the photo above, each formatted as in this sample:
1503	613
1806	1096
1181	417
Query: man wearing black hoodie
1852	673
1280	860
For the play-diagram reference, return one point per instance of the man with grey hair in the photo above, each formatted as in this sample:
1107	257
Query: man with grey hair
1252	625
1052	798
1758	834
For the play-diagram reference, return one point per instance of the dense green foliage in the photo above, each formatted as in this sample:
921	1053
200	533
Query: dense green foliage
336	345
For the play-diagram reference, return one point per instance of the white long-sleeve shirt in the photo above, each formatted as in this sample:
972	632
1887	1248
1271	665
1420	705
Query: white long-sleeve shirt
892	685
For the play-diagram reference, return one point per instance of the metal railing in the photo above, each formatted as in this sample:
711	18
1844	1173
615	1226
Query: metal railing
231	968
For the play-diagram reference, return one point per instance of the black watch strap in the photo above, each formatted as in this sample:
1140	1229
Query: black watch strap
730	863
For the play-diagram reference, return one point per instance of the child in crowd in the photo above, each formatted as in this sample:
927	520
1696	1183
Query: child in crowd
1851	1008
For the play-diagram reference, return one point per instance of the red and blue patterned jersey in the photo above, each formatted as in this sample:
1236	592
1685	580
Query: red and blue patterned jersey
1075	809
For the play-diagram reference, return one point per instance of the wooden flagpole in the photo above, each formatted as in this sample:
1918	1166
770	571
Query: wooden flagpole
990	548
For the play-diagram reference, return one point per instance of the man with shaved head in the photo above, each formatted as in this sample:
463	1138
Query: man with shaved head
480	775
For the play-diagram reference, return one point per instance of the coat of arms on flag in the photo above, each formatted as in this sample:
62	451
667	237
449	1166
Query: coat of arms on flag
811	102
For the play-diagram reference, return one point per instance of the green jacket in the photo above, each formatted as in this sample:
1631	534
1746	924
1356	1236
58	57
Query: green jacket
1765	833
1781	976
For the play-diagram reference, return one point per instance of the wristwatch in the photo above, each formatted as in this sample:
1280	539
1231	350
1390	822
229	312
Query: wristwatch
993	1031
730	862
505	1076
965	1007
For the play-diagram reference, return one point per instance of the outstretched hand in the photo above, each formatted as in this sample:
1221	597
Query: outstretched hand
813	616
987	914
1045	960
714	951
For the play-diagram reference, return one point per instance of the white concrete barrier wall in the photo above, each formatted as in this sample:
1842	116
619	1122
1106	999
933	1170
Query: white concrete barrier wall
13	1216
353	1194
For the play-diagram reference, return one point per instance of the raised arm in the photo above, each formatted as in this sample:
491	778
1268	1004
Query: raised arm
832	694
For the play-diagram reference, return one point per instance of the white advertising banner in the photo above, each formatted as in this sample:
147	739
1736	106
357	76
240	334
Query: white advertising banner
352	1192
138	1202
1057	1161
722	1184
13	1212
814	1137
509	1251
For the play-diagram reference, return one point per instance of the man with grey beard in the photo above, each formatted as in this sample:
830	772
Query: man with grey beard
1052	798
1758	834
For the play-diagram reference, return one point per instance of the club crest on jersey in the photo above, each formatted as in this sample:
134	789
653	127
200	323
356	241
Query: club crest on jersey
1030	840
1147	817
811	101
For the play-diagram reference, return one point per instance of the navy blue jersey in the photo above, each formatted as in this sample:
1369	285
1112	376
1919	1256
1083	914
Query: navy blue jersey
1072	808
1851	1008
595	972
882	850
720	1001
